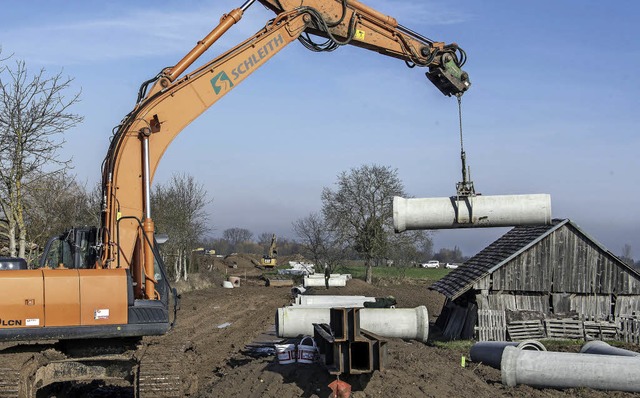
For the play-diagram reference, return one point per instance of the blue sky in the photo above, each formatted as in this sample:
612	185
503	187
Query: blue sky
553	107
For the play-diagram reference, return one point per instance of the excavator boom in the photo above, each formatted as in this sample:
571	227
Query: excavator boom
173	102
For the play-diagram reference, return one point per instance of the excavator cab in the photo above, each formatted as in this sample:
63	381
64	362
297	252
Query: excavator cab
74	249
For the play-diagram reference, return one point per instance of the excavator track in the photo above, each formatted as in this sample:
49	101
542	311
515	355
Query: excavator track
9	378
11	369
165	370
150	369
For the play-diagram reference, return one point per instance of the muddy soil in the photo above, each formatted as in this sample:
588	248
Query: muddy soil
221	322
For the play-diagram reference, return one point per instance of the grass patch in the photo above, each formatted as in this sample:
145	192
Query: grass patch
559	344
464	345
358	272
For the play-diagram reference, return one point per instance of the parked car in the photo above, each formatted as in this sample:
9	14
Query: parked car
431	264
451	266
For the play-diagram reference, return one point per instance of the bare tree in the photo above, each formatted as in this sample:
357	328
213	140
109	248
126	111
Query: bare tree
409	248
178	210
317	240
235	236
445	255
264	239
360	210
34	113
56	203
627	255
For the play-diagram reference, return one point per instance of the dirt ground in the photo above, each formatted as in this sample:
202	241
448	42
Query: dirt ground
220	322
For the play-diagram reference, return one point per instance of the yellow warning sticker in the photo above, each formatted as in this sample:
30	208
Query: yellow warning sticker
359	34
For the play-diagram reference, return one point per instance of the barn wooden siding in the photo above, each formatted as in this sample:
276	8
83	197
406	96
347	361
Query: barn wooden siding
507	301
588	307
562	262
627	306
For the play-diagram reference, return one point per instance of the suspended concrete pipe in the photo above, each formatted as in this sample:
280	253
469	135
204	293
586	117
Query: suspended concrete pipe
598	347
404	323
490	352
471	212
543	369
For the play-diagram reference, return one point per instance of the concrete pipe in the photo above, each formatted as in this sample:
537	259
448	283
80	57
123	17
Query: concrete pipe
404	323
321	276
598	347
333	301
473	212
544	369
342	304
319	282
490	352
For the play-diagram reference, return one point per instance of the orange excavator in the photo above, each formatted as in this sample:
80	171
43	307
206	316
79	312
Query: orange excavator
109	282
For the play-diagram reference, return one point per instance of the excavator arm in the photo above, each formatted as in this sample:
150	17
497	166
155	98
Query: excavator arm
168	103
343	22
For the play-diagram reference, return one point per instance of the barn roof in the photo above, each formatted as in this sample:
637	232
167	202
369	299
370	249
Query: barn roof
500	252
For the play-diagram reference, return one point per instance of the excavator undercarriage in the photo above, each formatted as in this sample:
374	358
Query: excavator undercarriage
131	367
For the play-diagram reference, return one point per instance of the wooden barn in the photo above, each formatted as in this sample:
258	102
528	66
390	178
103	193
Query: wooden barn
542	281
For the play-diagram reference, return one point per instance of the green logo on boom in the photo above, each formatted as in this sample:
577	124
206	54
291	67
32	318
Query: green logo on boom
220	81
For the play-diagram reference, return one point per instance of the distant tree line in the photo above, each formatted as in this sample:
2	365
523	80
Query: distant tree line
242	240
454	255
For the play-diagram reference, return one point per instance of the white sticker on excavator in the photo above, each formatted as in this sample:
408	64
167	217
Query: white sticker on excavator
101	314
32	322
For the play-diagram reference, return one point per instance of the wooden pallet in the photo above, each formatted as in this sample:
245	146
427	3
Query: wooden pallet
525	330
491	325
564	329
600	330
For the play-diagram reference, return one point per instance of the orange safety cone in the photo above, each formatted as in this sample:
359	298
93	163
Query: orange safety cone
340	389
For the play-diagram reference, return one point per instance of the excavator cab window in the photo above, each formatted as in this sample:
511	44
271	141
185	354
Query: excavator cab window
85	245
57	254
157	273
73	249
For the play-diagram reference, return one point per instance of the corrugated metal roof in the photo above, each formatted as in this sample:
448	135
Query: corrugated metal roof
503	250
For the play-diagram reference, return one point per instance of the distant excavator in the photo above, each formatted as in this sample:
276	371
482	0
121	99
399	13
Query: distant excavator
270	259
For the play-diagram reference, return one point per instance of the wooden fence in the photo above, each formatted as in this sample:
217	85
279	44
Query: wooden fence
629	330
